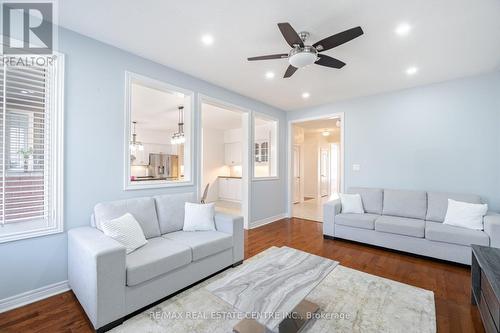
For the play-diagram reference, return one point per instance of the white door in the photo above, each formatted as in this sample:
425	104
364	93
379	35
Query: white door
324	171
335	168
296	174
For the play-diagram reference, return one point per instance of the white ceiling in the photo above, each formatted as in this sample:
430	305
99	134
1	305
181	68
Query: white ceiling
218	118
319	125
449	39
154	109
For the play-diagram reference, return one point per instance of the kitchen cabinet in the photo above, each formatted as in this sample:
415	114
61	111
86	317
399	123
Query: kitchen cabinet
141	157
230	189
232	153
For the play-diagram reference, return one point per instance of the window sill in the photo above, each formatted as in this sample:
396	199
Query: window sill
15	236
258	179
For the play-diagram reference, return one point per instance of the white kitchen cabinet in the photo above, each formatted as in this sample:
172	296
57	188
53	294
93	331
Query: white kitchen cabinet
232	153
230	189
141	156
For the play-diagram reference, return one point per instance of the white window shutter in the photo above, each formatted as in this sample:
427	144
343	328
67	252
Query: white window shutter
29	145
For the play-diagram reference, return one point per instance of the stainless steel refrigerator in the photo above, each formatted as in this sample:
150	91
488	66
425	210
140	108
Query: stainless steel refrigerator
164	166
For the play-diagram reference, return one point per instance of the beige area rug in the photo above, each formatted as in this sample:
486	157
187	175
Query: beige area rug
349	300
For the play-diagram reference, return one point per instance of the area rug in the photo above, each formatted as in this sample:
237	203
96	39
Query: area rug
349	300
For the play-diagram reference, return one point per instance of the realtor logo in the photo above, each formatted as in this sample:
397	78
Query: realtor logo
27	27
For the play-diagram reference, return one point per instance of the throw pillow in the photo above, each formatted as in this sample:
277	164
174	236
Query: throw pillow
126	230
351	203
199	217
465	215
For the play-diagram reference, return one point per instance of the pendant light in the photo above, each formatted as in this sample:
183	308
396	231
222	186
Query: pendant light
134	144
178	137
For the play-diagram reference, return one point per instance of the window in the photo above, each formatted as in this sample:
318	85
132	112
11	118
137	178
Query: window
265	147
158	140
30	149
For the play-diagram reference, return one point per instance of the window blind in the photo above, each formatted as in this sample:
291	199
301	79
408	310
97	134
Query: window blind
25	145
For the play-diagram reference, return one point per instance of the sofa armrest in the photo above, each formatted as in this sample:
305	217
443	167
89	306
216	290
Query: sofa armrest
492	228
330	209
232	225
96	274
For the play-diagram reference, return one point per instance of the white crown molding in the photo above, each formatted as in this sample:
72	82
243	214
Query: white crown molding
34	295
267	220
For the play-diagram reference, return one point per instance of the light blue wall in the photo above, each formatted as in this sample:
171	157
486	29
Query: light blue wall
443	137
94	111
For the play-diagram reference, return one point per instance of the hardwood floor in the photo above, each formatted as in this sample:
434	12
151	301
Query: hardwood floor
450	282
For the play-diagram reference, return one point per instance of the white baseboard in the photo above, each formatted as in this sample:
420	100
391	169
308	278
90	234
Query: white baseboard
34	295
267	220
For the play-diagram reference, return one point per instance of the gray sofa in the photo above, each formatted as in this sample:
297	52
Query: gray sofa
110	284
410	221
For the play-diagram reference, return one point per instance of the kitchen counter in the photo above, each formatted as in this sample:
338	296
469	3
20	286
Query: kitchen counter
232	177
142	179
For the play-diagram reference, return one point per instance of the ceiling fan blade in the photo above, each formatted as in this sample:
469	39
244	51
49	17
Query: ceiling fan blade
291	36
269	57
328	61
290	71
338	39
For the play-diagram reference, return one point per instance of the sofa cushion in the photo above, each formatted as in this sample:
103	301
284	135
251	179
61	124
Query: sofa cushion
401	226
202	243
439	232
143	210
371	197
157	257
364	221
411	204
437	203
170	210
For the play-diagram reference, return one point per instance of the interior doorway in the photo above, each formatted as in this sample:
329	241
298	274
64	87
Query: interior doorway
224	151
316	165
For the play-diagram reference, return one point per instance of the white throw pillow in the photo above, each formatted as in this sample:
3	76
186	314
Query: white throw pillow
465	215
126	230
199	217
351	203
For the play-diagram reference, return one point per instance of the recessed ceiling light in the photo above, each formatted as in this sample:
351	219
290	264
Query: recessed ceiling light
325	133
207	39
412	70
403	29
306	95
269	75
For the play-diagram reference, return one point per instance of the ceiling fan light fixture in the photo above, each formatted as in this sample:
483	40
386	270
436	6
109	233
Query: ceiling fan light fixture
302	57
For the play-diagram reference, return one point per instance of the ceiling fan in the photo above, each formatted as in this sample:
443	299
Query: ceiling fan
303	55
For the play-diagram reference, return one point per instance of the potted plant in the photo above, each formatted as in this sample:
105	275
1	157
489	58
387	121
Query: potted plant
26	153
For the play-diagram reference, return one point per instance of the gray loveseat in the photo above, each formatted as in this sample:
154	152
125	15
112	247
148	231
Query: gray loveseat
111	284
410	221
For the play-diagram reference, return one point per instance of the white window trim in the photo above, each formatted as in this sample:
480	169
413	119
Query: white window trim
127	184
56	164
266	178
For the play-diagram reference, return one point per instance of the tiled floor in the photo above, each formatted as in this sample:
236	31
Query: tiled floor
228	207
311	209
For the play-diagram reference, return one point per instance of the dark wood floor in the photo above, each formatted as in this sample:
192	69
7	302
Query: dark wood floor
450	282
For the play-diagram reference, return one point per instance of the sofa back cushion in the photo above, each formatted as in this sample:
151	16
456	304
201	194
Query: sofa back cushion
403	203
143	210
170	210
437	203
371	197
